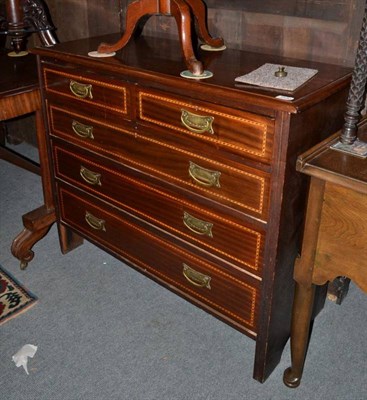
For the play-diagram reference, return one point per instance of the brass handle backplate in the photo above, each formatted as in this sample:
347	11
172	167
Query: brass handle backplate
203	176
84	131
94	222
197	123
81	90
196	278
197	226
93	178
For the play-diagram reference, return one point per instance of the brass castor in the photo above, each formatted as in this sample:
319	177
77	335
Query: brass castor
290	380
23	265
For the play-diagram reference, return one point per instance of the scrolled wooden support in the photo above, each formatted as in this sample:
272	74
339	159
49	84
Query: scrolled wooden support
199	11
181	12
36	225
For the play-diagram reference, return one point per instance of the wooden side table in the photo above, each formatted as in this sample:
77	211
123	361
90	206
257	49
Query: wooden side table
20	95
335	236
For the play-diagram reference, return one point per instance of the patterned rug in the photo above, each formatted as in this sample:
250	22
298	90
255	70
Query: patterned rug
14	299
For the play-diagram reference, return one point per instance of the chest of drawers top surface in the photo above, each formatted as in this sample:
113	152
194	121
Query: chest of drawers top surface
160	62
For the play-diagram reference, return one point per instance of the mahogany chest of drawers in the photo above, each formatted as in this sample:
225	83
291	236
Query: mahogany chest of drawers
191	182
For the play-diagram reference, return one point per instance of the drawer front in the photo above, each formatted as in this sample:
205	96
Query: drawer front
245	189
238	244
233	130
197	279
107	98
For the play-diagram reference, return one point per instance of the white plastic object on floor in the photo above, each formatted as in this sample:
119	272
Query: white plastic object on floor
21	356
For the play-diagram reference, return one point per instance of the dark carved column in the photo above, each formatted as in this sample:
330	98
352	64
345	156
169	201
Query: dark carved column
357	88
37	14
16	27
24	17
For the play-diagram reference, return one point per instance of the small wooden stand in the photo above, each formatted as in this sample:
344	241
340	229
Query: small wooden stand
335	235
182	11
20	95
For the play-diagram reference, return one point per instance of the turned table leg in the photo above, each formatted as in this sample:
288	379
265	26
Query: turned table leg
181	12
300	332
305	290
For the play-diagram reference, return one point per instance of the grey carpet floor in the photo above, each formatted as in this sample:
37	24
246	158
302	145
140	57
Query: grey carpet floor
104	331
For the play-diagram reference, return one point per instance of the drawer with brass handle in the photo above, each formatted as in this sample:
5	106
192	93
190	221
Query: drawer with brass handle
203	176
96	223
106	97
243	188
91	177
198	279
232	130
239	244
82	130
197	123
197	225
81	90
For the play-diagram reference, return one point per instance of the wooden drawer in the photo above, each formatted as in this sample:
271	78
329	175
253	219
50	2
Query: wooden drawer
195	278
101	96
245	189
239	132
240	245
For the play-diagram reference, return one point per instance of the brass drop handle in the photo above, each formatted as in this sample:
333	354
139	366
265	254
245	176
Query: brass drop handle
81	90
196	278
93	178
197	226
203	176
84	131
197	123
94	222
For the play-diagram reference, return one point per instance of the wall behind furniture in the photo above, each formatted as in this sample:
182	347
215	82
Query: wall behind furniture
321	30
75	19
